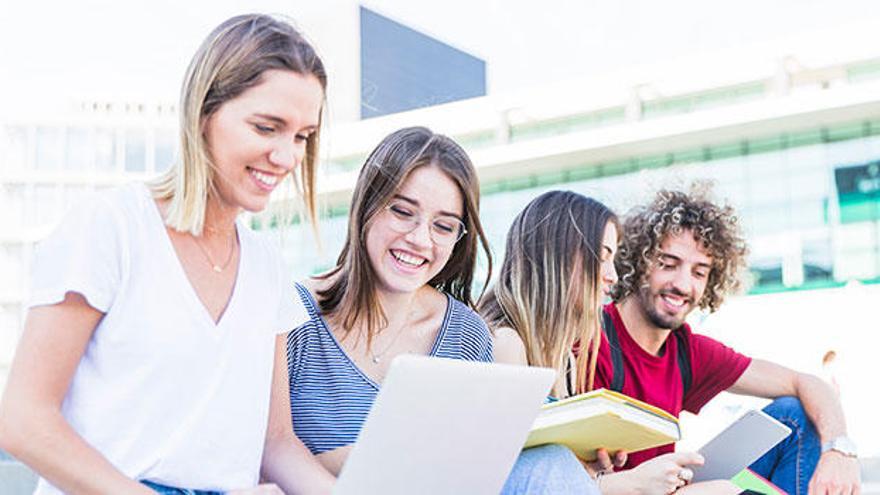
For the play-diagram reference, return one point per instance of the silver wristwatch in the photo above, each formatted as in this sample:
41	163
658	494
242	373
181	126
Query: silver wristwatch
842	444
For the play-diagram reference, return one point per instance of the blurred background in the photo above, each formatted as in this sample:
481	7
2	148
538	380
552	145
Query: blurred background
777	103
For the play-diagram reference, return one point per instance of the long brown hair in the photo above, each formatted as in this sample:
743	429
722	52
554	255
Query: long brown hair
350	298
548	289
230	61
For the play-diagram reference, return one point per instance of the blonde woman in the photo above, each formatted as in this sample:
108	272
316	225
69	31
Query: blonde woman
544	311
146	361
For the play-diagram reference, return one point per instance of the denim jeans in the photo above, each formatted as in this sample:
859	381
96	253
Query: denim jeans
549	469
790	464
170	490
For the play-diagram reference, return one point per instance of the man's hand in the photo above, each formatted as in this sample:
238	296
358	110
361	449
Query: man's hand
836	474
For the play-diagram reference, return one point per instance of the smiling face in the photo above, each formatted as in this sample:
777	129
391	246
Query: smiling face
259	137
676	281
405	262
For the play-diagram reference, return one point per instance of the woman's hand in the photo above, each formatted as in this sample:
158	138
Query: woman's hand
666	473
605	462
659	476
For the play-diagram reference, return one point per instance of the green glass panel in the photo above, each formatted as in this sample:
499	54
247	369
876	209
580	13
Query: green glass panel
804	138
725	151
845	132
618	167
653	161
476	140
584	172
688	156
765	145
863	71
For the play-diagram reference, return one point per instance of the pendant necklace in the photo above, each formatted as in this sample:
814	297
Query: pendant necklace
376	357
217	268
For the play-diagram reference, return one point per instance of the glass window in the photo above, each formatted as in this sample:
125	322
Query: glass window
50	148
10	327
766	271
79	149
12	197
165	145
806	158
808	214
135	151
105	150
847	153
818	259
13	148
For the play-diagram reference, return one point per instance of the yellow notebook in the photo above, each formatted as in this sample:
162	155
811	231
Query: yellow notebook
603	418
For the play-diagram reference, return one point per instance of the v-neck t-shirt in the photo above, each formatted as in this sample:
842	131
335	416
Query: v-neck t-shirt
163	391
330	395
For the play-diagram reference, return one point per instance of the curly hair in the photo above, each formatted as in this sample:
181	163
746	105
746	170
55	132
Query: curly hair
715	228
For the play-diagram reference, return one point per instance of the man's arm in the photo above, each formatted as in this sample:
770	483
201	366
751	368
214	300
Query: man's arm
835	473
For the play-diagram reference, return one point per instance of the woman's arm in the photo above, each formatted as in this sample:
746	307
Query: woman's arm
31	425
659	476
286	460
509	347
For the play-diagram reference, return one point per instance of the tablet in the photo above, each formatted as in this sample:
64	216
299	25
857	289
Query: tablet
739	445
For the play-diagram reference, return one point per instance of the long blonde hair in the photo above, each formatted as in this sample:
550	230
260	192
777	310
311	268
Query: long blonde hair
548	289
231	60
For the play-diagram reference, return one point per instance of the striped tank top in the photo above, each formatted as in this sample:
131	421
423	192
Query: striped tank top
330	396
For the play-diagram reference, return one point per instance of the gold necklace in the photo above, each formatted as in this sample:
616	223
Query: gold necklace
217	268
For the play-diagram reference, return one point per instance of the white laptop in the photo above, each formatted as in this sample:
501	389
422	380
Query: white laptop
442	426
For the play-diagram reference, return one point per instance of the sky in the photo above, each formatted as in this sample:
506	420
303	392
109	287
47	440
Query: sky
54	52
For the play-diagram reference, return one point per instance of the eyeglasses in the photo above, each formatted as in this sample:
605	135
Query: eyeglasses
445	230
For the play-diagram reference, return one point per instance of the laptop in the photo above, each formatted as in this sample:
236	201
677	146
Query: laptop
443	426
739	445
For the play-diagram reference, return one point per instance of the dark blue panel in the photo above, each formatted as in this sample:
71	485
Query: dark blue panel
403	69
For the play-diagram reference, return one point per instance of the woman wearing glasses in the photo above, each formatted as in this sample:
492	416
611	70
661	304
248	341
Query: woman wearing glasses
402	284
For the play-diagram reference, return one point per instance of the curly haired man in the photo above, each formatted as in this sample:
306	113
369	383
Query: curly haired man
679	253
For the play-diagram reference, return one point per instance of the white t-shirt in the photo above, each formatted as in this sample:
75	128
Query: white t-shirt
163	392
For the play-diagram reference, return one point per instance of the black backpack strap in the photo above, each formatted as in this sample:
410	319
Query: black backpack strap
684	360
610	331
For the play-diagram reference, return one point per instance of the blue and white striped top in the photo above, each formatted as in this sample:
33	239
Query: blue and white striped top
330	396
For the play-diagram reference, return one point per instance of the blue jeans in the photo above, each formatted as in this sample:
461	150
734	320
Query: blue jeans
170	490
549	469
790	464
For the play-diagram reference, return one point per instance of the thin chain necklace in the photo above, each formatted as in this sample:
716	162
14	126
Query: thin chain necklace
218	268
376	357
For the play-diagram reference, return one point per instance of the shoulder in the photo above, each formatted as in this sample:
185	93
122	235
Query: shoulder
466	331
509	347
462	315
697	341
710	353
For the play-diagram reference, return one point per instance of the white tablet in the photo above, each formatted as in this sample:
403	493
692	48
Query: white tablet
739	445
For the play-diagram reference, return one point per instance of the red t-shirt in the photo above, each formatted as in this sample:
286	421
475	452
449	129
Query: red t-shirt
657	380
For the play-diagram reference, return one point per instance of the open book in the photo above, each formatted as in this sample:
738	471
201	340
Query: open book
603	418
